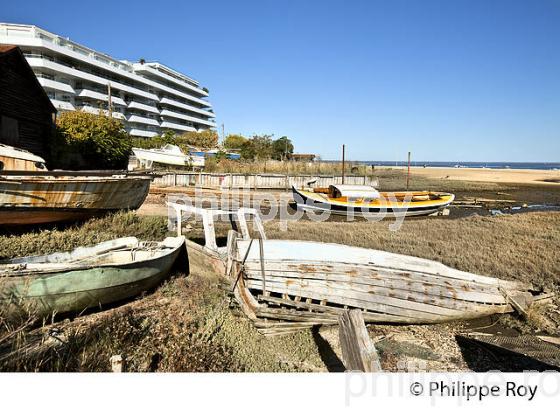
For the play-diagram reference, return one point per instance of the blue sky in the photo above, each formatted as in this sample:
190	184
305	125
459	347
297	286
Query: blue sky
448	80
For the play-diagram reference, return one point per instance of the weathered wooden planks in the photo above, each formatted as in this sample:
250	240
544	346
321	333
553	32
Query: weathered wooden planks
359	273
438	294
378	303
358	350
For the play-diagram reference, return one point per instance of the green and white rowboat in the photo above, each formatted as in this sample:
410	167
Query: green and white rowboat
86	277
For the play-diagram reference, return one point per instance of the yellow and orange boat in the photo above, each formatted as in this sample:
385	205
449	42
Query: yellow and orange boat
366	200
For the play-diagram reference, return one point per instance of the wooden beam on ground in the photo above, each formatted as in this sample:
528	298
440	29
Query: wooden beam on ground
358	351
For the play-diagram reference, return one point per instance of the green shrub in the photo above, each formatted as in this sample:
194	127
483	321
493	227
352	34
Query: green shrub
89	141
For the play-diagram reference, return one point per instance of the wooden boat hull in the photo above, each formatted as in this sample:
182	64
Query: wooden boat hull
60	197
311	202
78	289
310	283
286	285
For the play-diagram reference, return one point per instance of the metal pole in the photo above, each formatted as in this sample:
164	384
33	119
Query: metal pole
109	100
343	161
408	173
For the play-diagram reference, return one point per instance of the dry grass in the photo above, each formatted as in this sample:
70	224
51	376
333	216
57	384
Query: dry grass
290	167
186	325
510	247
57	239
189	324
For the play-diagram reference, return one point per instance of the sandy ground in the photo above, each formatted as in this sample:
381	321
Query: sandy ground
521	176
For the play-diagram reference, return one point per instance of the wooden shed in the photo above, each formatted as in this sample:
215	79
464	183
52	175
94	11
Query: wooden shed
27	115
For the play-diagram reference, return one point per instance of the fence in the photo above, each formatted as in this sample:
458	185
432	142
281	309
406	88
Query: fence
257	181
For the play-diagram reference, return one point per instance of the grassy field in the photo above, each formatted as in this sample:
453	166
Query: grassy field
190	323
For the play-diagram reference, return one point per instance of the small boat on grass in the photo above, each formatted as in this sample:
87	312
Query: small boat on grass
169	155
286	285
365	200
86	277
34	196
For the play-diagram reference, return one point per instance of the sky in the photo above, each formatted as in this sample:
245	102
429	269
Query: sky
448	80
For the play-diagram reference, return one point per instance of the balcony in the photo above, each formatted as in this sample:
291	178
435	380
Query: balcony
174	126
93	110
142	120
62	105
169	101
142	133
57	67
100	96
87	56
56	85
168	113
145	107
147	69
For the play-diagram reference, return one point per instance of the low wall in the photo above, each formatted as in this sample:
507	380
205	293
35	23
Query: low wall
256	181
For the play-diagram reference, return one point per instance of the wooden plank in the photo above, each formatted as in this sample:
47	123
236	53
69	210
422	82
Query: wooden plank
368	294
477	282
379	304
520	301
296	316
368	316
365	271
400	263
416	289
350	299
358	350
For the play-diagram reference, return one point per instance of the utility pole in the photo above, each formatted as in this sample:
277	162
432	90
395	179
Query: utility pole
343	161
109	100
223	134
408	173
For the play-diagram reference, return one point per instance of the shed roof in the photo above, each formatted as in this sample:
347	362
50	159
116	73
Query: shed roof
8	51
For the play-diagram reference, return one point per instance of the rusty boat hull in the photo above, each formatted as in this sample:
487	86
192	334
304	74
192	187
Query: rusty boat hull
28	198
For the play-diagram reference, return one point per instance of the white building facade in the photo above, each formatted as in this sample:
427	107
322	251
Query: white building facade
149	97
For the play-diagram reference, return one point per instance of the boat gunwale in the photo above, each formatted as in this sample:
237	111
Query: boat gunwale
69	267
319	199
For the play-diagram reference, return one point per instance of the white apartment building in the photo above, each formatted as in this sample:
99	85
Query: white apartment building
148	96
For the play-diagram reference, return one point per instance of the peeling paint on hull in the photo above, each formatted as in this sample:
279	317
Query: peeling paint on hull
43	199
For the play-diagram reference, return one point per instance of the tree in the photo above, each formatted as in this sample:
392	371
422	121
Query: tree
168	137
260	147
235	141
281	148
89	141
201	139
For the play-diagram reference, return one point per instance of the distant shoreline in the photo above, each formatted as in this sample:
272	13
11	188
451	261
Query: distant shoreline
550	166
498	175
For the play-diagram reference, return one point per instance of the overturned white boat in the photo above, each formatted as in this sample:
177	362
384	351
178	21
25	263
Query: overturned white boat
168	154
283	285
